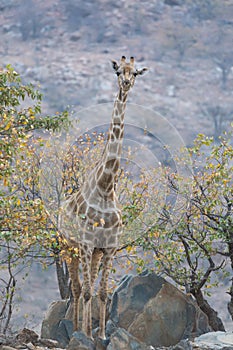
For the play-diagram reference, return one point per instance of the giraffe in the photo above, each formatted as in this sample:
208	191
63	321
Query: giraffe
91	218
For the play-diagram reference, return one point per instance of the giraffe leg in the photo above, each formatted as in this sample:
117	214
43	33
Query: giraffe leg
95	264
103	292
73	267
85	256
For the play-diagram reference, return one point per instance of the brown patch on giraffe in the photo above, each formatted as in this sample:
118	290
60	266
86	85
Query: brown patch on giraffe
109	197
105	179
82	208
116	132
115	111
110	219
110	164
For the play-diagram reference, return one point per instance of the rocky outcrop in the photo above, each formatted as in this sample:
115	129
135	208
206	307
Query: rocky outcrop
145	310
54	315
155	312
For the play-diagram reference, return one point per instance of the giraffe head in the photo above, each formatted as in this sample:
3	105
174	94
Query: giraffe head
126	73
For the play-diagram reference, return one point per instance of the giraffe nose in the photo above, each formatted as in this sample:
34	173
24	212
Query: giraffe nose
127	82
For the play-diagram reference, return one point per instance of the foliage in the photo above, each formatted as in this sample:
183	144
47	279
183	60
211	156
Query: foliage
23	220
190	231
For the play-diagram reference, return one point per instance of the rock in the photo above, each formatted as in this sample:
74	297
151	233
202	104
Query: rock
121	339
52	319
110	328
58	323
148	307
27	336
80	342
64	332
215	341
173	2
182	345
131	295
49	343
75	36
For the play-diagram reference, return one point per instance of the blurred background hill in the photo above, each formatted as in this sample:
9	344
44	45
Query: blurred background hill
65	46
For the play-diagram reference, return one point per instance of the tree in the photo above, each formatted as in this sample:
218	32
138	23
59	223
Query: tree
191	235
223	60
25	226
221	117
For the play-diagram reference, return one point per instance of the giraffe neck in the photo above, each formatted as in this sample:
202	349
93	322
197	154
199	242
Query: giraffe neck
110	162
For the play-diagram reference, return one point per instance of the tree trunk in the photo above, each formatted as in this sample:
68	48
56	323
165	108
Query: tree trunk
214	321
63	278
230	304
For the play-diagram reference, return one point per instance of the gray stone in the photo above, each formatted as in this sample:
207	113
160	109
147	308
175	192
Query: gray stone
110	328
148	307
52	319
26	336
131	295
79	341
122	340
64	332
215	340
75	36
182	345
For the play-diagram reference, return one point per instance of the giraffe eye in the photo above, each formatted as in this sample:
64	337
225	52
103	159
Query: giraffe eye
118	73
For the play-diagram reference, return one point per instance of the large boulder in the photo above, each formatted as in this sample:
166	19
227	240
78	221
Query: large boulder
121	339
155	312
54	315
131	296
145	310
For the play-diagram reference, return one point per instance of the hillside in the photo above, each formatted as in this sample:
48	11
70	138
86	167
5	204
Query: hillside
66	46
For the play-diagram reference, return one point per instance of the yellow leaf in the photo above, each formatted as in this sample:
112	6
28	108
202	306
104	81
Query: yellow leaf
18	202
128	249
8	125
95	224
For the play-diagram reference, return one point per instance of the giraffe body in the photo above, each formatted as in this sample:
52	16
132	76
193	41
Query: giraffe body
91	218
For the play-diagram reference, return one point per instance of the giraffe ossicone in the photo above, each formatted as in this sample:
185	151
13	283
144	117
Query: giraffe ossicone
90	219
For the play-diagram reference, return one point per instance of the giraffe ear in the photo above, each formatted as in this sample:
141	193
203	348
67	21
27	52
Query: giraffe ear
115	65
142	71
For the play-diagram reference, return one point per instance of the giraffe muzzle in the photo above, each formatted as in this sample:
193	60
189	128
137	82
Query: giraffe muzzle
126	84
